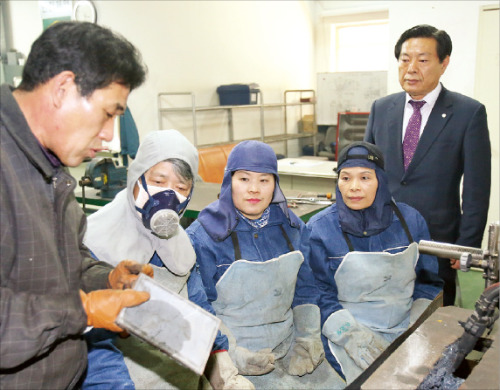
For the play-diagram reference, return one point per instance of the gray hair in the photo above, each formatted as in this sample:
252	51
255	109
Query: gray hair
181	168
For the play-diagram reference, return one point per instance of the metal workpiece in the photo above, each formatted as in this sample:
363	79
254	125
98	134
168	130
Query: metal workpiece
308	200
453	368
173	324
415	358
494	238
486	259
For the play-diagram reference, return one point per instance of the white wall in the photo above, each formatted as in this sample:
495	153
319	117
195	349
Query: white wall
458	18
198	45
487	92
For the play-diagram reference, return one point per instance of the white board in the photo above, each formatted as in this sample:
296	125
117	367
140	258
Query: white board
348	92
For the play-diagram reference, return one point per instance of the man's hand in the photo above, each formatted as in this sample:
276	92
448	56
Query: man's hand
455	263
126	273
102	306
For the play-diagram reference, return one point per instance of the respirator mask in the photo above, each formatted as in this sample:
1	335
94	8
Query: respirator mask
159	208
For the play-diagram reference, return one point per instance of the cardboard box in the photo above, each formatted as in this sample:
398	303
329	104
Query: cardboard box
307	124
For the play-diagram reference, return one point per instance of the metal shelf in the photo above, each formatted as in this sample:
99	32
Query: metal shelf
309	100
267	139
213	108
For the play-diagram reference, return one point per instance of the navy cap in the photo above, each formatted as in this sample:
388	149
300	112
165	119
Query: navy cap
360	150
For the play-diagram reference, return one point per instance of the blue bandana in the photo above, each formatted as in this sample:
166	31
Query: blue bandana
221	217
378	216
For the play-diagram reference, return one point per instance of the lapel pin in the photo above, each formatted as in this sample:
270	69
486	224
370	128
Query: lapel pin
443	115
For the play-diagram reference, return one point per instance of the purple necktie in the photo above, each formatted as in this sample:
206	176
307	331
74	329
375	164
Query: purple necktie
412	134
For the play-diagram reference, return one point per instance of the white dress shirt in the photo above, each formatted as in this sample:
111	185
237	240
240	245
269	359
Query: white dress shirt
430	100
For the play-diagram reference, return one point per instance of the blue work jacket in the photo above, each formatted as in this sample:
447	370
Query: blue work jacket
256	244
327	248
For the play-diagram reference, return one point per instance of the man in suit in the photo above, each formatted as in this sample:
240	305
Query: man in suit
431	146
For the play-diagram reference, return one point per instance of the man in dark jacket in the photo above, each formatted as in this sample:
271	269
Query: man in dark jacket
76	80
433	139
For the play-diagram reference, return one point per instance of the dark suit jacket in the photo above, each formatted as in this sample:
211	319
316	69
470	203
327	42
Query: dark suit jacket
455	143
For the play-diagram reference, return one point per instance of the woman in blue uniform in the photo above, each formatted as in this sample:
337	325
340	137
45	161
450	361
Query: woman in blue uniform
364	255
247	247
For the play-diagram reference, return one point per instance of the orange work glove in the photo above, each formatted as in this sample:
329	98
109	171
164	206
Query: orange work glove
102	306
126	273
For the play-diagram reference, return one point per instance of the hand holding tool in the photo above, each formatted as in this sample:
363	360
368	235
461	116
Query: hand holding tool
103	306
126	273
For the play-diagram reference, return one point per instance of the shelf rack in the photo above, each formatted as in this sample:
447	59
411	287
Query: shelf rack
306	97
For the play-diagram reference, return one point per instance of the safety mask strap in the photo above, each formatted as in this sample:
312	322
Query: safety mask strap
184	204
150	201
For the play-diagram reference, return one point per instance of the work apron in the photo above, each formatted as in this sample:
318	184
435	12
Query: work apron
377	289
254	301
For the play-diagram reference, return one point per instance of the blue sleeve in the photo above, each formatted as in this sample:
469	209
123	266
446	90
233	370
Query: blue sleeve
306	291
196	293
427	284
324	270
204	259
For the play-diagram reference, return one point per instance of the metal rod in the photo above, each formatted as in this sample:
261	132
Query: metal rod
449	251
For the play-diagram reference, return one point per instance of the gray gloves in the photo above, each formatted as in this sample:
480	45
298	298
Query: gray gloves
307	351
252	363
306	355
417	308
223	375
361	344
248	362
173	282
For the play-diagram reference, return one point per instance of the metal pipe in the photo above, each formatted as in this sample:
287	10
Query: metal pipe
493	238
470	257
311	200
449	251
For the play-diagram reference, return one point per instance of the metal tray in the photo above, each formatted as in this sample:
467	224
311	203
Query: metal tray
173	324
